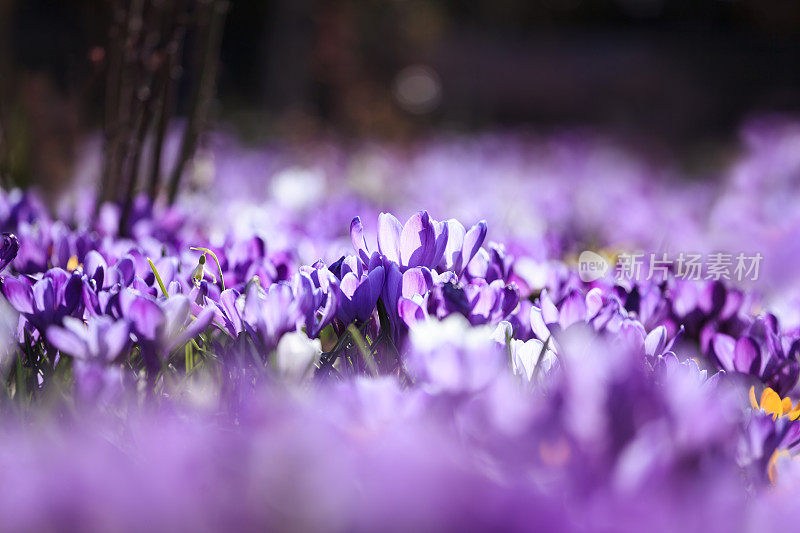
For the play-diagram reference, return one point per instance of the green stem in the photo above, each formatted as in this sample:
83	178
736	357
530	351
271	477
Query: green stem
20	379
363	349
188	356
509	336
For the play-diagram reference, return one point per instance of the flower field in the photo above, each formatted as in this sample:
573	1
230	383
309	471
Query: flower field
365	338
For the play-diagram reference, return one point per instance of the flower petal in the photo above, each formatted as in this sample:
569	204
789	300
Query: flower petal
191	331
655	341
418	241
116	337
389	230
19	294
453	256
416	282
357	238
573	309
473	241
724	347
410	311
746	356
442	233
67	342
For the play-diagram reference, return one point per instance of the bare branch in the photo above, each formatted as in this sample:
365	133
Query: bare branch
204	90
166	94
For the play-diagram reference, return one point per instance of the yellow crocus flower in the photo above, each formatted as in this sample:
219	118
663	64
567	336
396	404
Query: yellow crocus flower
772	403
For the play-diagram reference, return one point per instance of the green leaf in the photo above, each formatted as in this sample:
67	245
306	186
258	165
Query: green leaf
158	278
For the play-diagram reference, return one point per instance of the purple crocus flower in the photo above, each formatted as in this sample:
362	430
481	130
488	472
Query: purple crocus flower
490	265
737	355
8	249
100	339
408	299
550	317
358	295
270	313
46	301
451	298
762	351
765	435
462	245
160	327
122	272
179	325
95	346
228	316
419	292
95	267
420	242
490	302
145	314
605	314
315	299
315	291
706	309
646	301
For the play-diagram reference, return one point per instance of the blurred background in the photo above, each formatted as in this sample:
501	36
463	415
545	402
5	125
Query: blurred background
677	75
